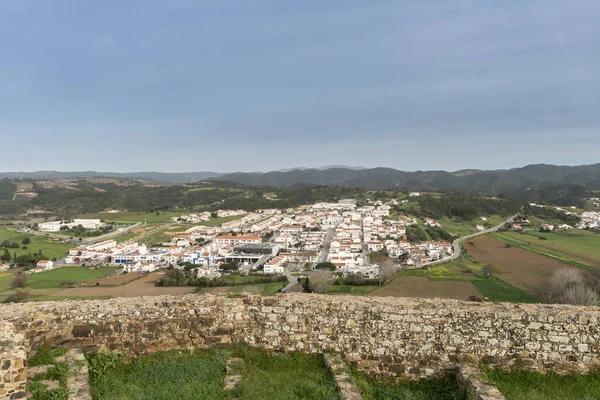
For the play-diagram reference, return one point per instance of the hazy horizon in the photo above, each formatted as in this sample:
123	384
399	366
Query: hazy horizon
232	85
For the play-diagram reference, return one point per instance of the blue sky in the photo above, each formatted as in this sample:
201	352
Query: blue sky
247	85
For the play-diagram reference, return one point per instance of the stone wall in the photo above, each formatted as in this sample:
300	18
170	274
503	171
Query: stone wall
383	336
13	363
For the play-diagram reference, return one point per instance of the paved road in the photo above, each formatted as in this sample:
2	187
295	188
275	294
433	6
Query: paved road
325	250
458	249
292	281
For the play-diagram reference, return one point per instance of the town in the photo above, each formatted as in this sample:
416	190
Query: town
270	241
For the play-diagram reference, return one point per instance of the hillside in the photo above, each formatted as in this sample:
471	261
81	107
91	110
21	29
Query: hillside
495	181
472	180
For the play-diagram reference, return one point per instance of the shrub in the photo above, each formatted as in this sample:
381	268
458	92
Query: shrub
18	296
20	281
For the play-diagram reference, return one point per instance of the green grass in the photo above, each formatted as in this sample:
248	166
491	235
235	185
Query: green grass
527	242
50	248
467	263
5	280
526	385
53	278
436	273
265	289
200	375
427	389
164	375
353	290
498	290
568	244
58	372
284	377
135	217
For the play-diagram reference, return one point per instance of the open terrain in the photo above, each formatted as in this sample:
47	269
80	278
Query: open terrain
417	286
521	268
577	245
50	248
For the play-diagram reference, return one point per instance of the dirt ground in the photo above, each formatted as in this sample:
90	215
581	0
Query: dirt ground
521	268
141	287
417	286
116	279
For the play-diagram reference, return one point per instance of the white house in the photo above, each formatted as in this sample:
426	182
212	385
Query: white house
45	264
275	266
4	267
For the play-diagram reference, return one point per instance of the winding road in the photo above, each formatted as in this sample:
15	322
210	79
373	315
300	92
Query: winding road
456	244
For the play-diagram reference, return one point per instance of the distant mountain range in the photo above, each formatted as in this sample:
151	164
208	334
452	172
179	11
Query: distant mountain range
471	180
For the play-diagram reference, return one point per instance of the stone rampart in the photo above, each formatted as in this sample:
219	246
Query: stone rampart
13	363
383	336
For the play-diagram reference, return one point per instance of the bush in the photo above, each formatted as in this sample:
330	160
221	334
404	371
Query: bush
26	240
20	281
18	296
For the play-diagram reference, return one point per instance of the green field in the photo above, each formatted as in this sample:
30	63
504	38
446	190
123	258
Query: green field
352	290
50	248
5	280
578	244
134	217
525	385
435	273
495	289
77	275
532	243
467	263
200	375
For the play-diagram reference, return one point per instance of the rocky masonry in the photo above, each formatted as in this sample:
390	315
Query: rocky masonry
13	363
412	337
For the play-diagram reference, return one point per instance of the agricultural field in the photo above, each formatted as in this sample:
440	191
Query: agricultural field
352	290
420	286
52	279
50	248
495	289
576	245
523	269
134	217
138	287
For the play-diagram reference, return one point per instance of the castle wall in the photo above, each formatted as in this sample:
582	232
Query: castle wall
383	336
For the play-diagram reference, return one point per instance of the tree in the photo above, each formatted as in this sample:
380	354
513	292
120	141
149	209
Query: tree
387	269
5	243
18	295
326	265
20	281
320	281
6	256
570	286
26	240
403	258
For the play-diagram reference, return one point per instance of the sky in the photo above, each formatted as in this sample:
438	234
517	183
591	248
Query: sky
259	85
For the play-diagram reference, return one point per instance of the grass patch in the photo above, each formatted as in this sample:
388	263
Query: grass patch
50	248
279	377
200	375
53	278
437	273
162	375
350	289
5	280
427	389
497	290
45	355
526	385
527	244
